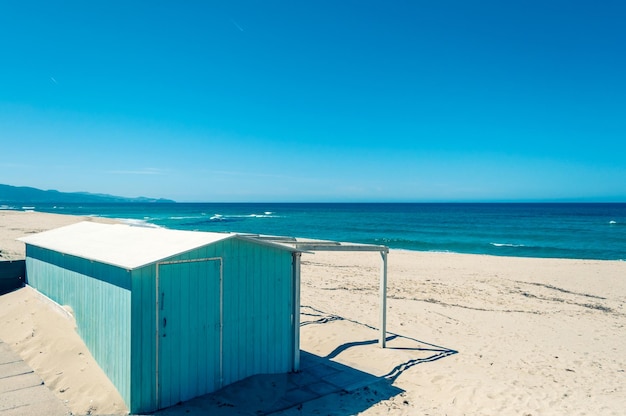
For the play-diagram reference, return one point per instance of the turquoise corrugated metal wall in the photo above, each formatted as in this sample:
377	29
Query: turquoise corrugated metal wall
257	311
100	297
189	330
257	318
116	315
143	340
257	307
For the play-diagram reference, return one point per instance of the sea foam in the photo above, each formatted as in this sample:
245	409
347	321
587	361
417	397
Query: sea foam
138	223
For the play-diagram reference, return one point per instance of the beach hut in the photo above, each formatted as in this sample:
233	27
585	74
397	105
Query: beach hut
170	315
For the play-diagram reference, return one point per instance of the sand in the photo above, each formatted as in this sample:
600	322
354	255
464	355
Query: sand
468	334
44	334
15	224
479	335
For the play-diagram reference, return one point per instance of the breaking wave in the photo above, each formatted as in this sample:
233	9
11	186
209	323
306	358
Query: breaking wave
507	245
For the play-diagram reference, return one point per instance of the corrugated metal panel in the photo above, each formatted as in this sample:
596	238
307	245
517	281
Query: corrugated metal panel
257	310
101	306
121	329
189	330
143	348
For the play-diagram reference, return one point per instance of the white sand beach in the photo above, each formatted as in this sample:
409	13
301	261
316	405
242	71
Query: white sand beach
468	334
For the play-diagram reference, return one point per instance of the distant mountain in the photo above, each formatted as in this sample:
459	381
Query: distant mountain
25	194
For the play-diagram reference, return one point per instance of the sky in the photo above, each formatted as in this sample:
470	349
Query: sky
316	101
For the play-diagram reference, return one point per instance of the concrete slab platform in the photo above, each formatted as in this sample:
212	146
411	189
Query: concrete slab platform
22	392
8	384
14	368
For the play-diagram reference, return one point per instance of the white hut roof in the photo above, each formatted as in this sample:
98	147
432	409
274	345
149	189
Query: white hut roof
124	245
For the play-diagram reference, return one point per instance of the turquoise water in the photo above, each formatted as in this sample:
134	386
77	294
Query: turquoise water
569	230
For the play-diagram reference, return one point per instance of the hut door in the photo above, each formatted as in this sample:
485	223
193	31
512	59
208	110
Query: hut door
189	334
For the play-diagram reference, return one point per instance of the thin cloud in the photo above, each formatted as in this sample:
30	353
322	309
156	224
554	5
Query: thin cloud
237	173
16	166
237	25
285	177
146	171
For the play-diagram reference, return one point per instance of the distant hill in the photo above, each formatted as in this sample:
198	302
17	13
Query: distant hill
25	194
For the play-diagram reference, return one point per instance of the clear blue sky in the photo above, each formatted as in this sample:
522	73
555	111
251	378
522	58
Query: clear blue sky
316	100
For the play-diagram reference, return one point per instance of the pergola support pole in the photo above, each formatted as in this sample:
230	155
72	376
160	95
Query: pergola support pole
296	311
383	301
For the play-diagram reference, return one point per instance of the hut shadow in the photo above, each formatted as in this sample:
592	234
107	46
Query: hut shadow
318	378
321	383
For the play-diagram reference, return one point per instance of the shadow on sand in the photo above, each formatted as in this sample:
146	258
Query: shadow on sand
320	377
272	393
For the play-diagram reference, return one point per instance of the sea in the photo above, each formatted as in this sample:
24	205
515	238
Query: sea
548	230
